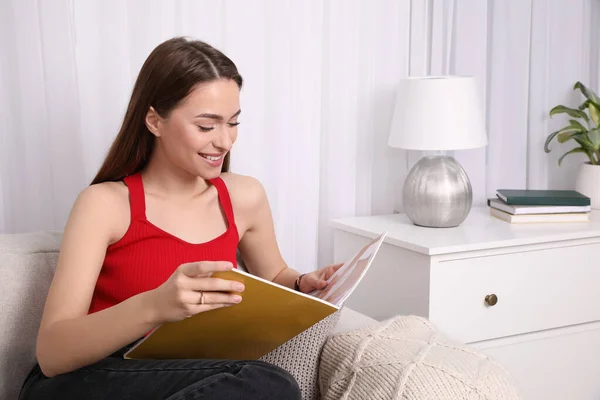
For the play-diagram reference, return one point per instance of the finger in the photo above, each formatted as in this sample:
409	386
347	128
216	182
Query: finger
332	270
190	297
314	283
197	309
205	267
328	273
337	266
215	285
220	298
321	284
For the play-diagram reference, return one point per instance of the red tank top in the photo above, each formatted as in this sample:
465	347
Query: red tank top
146	256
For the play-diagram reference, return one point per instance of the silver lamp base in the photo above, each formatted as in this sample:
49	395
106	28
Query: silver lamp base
437	193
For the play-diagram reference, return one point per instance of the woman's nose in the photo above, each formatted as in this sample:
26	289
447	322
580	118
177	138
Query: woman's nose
223	139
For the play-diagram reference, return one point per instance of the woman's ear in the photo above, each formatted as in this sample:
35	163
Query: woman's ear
153	121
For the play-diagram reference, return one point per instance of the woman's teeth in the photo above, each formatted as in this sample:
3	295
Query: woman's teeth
211	158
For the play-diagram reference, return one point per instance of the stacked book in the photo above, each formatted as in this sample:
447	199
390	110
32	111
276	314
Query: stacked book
525	206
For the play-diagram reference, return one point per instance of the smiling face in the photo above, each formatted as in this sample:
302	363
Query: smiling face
198	133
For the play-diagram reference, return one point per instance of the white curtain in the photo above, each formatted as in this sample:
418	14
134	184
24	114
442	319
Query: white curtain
320	82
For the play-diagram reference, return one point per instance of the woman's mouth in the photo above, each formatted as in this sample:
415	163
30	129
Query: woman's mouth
212	159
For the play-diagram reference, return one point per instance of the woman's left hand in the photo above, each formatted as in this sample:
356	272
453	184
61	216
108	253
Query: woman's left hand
317	279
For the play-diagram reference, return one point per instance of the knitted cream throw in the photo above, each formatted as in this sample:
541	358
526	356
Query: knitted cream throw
406	358
300	355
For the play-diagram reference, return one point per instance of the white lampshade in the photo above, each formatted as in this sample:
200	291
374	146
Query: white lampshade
438	113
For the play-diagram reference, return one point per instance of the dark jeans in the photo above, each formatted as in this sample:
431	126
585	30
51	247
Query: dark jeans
115	378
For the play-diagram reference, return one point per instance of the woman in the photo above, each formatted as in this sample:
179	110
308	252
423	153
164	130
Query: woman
161	215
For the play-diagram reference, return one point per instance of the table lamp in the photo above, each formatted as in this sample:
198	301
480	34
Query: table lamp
437	113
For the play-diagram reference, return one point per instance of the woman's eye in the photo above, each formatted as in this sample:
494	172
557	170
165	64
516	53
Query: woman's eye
232	124
206	128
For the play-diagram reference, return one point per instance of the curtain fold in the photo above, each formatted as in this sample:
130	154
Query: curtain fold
320	83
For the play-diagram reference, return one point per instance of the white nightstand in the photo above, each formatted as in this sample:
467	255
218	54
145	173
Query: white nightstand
528	295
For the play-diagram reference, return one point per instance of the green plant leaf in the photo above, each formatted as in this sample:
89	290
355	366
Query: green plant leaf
574	131
588	93
591	157
595	113
577	124
584	105
570	111
587	149
594	136
584	142
566	136
572	151
567	129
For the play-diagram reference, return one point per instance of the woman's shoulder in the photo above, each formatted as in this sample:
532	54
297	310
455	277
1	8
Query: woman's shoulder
104	194
103	204
246	192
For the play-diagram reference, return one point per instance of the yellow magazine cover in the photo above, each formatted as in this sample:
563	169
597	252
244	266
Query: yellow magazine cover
268	316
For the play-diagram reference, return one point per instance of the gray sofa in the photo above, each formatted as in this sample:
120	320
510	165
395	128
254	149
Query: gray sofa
347	357
27	263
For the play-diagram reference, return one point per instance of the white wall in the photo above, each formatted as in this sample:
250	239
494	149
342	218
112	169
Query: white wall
320	81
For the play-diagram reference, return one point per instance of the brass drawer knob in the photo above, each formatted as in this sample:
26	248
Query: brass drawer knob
491	299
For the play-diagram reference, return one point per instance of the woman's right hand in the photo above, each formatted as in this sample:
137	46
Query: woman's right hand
191	290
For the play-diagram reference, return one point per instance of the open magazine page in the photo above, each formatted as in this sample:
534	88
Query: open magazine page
344	280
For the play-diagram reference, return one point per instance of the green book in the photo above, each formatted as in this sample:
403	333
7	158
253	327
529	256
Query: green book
543	197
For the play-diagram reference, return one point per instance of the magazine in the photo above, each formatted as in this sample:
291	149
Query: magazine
342	283
268	316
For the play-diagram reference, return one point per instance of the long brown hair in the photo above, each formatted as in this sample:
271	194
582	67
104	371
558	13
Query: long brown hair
168	75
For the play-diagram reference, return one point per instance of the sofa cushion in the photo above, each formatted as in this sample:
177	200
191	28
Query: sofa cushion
405	357
350	320
27	263
300	355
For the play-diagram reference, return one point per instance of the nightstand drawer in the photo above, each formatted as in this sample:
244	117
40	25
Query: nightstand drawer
534	290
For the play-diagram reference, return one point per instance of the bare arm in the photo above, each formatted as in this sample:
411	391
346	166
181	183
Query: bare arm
258	245
69	338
